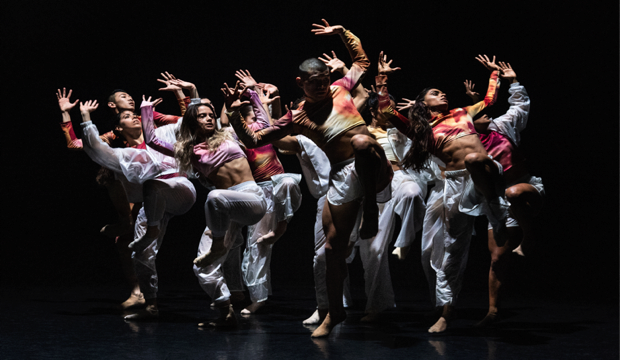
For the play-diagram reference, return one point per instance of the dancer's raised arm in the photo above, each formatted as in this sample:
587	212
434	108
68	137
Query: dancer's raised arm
386	111
515	119
359	94
148	130
250	138
95	148
354	46
491	95
178	90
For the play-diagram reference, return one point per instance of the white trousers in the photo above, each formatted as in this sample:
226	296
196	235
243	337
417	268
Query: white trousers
283	197
319	262
163	199
242	204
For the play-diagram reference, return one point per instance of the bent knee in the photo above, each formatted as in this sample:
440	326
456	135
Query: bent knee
361	142
215	200
476	160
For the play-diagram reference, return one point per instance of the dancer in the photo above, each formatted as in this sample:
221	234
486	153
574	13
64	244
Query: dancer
407	201
501	138
469	171
148	177
127	212
359	167
282	194
199	146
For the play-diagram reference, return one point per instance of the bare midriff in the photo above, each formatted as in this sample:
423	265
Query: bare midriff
453	153
231	173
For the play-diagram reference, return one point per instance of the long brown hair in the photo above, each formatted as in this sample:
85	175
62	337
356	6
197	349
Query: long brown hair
187	138
420	132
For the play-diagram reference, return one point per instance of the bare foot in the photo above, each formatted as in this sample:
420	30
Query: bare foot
371	317
316	318
209	257
328	325
440	326
118	229
267	239
370	223
488	320
519	250
252	308
151	312
145	240
134	301
401	252
227	319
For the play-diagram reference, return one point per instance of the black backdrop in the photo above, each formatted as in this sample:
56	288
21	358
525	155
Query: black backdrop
566	57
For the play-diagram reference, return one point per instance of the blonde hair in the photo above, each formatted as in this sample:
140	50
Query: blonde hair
187	138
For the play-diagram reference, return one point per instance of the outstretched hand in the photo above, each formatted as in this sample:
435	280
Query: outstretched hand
88	107
270	88
385	66
507	71
333	62
491	65
405	104
147	102
167	80
246	78
469	89
326	29
263	95
182	84
63	100
231	96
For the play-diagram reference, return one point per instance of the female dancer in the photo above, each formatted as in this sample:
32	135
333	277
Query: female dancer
122	231
469	171
147	177
197	145
282	194
501	138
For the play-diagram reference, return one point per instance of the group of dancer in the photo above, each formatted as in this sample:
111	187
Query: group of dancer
436	169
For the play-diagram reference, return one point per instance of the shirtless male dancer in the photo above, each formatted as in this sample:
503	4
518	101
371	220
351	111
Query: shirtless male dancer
359	167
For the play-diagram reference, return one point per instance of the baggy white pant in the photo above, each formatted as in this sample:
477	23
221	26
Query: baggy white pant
283	197
232	265
163	199
319	262
242	204
211	278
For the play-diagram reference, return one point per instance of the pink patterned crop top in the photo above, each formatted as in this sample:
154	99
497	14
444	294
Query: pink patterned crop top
459	122
206	160
446	128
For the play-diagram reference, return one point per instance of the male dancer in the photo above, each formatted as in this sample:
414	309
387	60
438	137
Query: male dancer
359	167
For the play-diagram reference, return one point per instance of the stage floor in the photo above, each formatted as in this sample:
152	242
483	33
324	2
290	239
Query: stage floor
84	323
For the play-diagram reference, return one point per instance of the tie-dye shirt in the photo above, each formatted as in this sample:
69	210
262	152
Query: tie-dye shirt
323	121
446	128
263	160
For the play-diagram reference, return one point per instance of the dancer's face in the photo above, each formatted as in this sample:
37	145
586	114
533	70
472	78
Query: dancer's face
206	120
315	86
250	117
435	98
129	121
122	101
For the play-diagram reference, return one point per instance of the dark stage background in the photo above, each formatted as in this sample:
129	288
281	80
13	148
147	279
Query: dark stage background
566	57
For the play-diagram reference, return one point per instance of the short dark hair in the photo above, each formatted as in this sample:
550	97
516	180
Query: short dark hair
112	96
312	64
